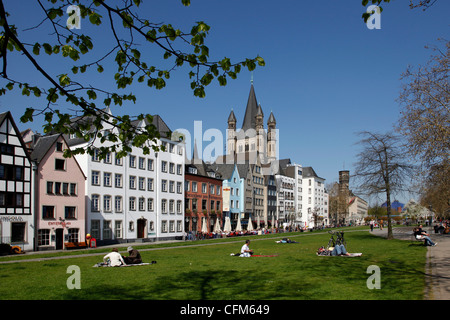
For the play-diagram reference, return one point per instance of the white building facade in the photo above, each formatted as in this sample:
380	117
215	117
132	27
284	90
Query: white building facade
314	200
285	200
139	197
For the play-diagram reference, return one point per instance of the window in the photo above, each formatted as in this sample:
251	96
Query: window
107	158
150	164
43	237
203	187
164	166
171	186
179	184
73	189
118	203
194	186
49	187
107	230
132	203
132	161
95	229
218	190
142	163
204	205
211	189
95	204
164	206
172	206
171	167
107	179
186	186
141	204
150	184
60	164
179	169
179	205
70	213
164	226
118	180
150	204
48	212
141	183
107	203
132	182
65	188
164	185
118	160
95	178
57	187
118	229
95	156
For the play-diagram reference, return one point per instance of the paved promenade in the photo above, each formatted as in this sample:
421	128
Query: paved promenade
437	271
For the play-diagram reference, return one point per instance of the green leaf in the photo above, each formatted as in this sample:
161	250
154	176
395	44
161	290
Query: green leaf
36	48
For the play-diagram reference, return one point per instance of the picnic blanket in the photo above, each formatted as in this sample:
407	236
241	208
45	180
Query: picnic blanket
103	264
358	254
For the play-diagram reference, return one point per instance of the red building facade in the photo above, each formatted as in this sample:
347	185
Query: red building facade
203	199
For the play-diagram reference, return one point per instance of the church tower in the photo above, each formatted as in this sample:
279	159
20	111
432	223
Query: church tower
252	138
231	134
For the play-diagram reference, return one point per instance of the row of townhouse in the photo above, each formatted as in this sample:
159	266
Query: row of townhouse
48	201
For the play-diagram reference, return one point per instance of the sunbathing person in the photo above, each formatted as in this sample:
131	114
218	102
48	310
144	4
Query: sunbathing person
114	258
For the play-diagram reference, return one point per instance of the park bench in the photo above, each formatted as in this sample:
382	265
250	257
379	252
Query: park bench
75	245
417	237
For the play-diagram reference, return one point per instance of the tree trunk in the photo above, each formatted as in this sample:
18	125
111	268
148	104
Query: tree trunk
390	236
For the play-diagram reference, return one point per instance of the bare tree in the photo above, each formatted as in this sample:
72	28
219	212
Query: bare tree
425	113
381	168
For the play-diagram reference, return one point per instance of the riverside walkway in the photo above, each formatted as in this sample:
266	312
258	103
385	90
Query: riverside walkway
437	271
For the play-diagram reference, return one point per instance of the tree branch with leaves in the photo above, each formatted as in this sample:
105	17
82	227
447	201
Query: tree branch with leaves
132	37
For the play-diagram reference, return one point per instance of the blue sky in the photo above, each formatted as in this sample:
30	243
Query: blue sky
327	76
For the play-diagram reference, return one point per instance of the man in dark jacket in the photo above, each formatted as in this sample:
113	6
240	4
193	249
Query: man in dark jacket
134	256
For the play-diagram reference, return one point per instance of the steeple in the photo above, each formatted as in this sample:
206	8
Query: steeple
231	119
251	111
271	119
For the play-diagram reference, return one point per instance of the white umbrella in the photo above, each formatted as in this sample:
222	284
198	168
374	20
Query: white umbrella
250	224
217	226
204	227
227	227
239	227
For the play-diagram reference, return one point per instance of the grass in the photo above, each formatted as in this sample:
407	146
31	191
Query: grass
187	272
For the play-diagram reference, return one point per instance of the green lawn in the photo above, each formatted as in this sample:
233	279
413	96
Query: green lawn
210	273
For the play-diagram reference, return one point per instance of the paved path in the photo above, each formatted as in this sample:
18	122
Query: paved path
437	271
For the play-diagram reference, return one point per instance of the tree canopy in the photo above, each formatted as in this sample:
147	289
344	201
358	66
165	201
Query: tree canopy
136	43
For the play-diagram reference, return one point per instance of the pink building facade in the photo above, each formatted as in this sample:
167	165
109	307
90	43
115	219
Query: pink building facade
60	195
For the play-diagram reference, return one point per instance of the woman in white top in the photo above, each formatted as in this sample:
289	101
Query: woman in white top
114	257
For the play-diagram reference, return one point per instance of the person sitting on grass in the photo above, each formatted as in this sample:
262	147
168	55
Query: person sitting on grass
134	256
245	250
114	258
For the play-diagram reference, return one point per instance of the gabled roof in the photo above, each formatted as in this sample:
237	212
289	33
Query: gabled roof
308	172
8	115
42	146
